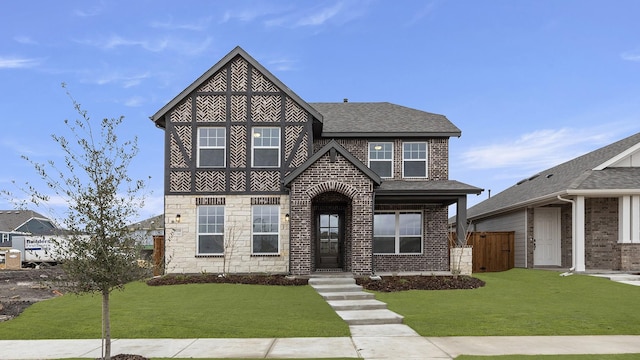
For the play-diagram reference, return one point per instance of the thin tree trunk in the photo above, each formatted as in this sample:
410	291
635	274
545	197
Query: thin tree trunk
106	325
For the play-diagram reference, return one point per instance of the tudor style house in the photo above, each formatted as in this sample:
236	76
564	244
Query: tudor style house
259	180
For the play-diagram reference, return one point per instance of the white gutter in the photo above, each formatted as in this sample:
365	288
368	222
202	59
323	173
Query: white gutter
573	235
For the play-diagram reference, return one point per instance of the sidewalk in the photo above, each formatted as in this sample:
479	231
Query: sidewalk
367	347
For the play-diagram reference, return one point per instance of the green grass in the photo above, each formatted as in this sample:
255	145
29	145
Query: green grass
523	302
552	357
183	311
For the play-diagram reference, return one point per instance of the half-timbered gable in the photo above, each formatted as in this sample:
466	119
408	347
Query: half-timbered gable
238	131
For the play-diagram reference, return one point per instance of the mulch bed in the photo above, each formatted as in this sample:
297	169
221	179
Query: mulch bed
386	284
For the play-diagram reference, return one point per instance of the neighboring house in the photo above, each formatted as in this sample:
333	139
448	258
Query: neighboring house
23	222
583	214
146	231
259	180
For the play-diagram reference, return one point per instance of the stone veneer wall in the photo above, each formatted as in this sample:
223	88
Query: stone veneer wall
629	259
435	244
181	238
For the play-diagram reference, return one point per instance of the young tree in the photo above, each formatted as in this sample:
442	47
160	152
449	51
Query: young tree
98	254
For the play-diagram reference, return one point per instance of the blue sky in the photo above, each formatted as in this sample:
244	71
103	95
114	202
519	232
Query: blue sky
530	83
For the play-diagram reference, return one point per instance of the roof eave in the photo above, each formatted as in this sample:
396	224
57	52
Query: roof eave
389	134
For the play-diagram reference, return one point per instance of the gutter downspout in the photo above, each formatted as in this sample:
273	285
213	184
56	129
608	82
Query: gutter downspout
573	235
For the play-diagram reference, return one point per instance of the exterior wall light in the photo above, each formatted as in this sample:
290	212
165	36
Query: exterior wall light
178	218
286	218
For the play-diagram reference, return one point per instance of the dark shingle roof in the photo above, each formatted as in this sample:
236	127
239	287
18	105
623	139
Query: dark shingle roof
369	119
11	220
572	176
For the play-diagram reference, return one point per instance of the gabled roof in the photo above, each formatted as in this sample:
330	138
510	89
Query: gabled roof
158	117
15	220
574	177
381	119
156	222
332	145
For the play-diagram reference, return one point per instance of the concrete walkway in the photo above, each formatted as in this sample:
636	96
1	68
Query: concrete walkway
366	347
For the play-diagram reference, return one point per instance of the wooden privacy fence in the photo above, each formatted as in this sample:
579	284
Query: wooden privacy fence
492	251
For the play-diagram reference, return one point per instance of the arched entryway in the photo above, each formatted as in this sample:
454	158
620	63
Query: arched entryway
331	234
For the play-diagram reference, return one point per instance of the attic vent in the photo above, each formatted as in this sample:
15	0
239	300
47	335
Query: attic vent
549	175
533	177
521	181
345	100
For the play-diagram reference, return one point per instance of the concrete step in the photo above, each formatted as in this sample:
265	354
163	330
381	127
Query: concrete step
331	281
370	317
346	295
349	305
331	288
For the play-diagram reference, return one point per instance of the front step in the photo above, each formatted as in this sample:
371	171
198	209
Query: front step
344	295
349	305
370	317
332	288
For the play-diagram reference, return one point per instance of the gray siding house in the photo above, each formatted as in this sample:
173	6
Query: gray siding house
257	180
583	214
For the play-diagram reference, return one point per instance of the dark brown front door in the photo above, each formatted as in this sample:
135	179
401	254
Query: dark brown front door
329	241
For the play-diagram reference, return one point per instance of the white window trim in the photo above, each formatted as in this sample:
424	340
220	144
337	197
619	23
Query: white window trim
426	160
5	237
198	233
397	235
201	147
253	207
389	160
254	147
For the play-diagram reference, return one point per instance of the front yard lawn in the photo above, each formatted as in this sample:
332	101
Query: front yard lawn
523	302
183	311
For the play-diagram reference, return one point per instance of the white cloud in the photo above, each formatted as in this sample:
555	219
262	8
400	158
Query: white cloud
126	81
26	40
536	150
17	63
282	64
320	17
134	101
199	25
179	45
631	55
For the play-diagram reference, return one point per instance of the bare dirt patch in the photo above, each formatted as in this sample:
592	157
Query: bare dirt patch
21	288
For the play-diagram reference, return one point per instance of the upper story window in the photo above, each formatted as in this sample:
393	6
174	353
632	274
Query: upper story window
5	237
210	230
381	158
414	160
211	146
266	146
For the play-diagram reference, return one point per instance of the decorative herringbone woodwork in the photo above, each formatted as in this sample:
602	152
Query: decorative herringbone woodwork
182	111
238	108
180	147
209	181
259	83
217	83
301	154
291	135
238	146
211	108
180	181
265	108
238	181
293	112
239	74
265	181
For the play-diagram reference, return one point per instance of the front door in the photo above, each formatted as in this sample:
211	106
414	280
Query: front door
546	230
329	243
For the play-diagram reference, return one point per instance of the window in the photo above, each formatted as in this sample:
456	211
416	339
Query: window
266	147
210	230
414	160
265	236
397	233
381	159
5	237
211	146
